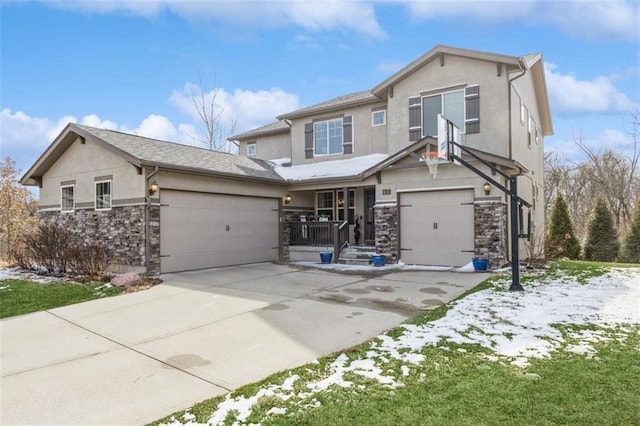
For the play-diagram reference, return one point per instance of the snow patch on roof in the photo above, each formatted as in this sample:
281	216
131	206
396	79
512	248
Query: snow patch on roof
328	169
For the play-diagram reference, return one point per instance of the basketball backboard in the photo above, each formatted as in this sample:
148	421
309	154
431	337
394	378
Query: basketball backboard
448	132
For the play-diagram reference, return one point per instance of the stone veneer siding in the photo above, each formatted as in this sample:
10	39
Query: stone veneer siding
290	215
386	223
122	229
491	232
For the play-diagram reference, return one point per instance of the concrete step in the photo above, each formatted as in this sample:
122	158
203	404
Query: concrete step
358	262
357	255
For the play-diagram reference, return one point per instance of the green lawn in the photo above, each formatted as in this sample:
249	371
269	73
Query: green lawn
18	296
459	384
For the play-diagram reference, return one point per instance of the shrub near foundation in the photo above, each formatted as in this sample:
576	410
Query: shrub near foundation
55	250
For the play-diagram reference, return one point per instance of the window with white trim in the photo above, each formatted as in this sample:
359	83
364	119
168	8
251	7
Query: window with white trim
67	198
103	195
449	104
523	112
324	205
328	137
251	149
352	205
379	118
530	127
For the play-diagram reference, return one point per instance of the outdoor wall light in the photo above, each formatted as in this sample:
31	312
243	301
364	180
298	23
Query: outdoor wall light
487	188
153	188
287	198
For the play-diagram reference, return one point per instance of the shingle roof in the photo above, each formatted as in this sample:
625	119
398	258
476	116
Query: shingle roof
279	126
162	153
356	98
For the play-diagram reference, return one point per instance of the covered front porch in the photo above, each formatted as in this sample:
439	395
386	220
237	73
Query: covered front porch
327	220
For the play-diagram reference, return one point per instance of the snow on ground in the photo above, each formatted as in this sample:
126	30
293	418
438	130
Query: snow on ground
20	274
513	326
391	267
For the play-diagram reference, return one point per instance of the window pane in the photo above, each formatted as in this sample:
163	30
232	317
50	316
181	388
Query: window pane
67	200
328	137
320	135
103	195
431	107
379	118
453	107
335	136
325	200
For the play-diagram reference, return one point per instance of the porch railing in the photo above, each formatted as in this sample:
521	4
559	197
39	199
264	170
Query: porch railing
325	233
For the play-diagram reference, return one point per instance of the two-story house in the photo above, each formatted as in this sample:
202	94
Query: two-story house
346	170
368	144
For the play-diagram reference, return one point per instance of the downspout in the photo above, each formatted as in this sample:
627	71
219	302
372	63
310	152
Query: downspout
509	86
513	181
147	217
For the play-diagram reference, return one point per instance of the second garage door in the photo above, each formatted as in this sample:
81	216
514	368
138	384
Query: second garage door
437	227
200	231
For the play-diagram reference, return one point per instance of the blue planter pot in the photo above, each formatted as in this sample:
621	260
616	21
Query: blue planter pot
325	257
480	264
378	259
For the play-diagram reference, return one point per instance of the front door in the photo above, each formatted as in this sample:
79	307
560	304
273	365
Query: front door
369	216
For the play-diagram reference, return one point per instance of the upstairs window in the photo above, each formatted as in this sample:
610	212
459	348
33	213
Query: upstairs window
103	195
67	198
449	104
328	137
379	118
251	149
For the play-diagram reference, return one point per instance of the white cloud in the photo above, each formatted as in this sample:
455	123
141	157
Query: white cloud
597	20
591	20
607	139
319	15
391	66
24	138
485	10
249	109
569	95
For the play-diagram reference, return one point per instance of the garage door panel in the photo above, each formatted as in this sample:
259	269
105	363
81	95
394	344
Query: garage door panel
210	230
437	227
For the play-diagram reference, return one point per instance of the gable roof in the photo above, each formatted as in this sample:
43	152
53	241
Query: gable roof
435	53
141	151
273	128
352	99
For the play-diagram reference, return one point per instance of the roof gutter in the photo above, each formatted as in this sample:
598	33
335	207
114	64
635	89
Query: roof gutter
201	172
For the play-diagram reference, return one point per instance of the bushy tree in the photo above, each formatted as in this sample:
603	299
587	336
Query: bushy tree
631	250
602	236
561	240
17	210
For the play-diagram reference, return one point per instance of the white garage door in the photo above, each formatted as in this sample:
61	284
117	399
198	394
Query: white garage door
200	231
436	227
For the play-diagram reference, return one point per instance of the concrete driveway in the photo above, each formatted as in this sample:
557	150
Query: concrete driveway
135	358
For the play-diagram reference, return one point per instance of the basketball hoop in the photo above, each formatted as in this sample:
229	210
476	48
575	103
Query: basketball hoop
432	160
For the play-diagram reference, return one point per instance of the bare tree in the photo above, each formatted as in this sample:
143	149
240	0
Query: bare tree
17	210
218	127
611	175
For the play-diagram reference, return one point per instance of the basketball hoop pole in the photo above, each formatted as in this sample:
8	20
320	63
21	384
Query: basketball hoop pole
515	204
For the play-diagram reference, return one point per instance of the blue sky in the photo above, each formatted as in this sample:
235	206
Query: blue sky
131	65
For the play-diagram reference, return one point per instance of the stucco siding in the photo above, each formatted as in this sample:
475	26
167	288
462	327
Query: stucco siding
206	184
269	147
367	139
456	73
82	164
418	178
